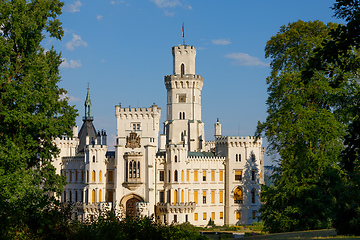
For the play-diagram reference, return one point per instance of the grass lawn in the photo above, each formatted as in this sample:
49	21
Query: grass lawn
315	234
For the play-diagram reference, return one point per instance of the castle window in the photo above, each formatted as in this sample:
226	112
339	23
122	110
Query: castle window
253	214
134	170
238	175
253	172
196	216
204	197
204	216
169	177
162	196
70	173
93	196
182	69
221	175
238	215
221	197
64	200
93	158
175	196
196	197
110	195
221	215
100	176
99	195
70	196
138	170
183	115
187	175
175	158
93	176
175	218
212	175
161	176
204	176
182	196
212	196
82	176
110	176
76	176
130	170
87	176
168	196
182	175
238	195
76	196
175	176
253	195
195	175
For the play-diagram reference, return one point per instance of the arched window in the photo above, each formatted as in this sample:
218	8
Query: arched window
236	157
238	195
130	170
175	158
253	195
100	176
138	170
99	195
175	176
183	115
182	69
93	158
175	196
93	196
180	115
93	176
134	170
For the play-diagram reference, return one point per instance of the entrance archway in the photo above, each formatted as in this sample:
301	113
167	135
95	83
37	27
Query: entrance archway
129	202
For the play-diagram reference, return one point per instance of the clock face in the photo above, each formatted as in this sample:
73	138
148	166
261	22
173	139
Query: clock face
182	98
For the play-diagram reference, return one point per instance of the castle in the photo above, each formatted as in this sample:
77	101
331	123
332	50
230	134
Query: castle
177	175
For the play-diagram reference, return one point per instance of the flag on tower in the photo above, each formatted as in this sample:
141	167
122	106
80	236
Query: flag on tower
183	30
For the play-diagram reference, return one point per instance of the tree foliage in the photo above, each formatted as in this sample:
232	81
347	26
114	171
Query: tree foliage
304	128
32	111
340	55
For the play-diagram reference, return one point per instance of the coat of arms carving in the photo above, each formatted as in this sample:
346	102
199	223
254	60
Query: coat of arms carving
133	141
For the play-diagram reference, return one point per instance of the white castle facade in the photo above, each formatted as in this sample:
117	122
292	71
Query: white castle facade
177	175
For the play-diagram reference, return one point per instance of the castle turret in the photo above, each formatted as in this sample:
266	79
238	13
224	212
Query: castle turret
217	126
184	100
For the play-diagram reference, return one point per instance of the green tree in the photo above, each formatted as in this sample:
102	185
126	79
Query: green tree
32	112
340	59
304	128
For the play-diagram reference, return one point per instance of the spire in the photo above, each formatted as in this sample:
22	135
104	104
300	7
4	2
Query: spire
88	105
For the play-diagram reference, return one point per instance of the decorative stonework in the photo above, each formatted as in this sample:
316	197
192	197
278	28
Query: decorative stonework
133	141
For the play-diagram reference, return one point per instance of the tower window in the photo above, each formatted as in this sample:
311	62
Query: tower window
182	69
162	177
175	176
253	195
238	175
238	195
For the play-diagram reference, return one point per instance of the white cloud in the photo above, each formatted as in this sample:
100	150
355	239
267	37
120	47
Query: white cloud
244	59
99	17
168	14
69	98
70	64
73	7
112	2
166	3
75	42
221	42
170	4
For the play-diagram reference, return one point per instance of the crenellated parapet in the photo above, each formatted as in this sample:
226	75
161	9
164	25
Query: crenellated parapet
79	158
138	113
188	81
236	141
205	159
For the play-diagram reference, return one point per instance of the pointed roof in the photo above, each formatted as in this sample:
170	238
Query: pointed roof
87	129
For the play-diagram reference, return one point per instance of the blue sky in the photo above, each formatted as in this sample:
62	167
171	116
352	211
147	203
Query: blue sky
122	48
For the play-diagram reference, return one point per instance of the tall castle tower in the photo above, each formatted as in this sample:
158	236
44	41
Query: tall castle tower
183	124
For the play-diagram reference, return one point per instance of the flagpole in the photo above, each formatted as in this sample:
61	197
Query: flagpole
183	34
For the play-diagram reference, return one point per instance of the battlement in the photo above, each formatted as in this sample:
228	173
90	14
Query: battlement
140	112
205	158
237	141
182	48
80	158
184	81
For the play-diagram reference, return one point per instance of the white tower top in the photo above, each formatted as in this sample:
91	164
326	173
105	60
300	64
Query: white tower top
183	60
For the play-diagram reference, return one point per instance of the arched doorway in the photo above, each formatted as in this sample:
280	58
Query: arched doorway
129	202
131	207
